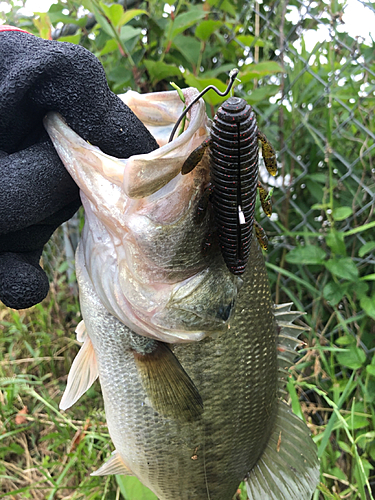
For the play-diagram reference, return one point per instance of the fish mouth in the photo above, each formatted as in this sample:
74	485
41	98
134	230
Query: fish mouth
141	245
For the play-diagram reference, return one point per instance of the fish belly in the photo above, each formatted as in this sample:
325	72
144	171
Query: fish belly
236	376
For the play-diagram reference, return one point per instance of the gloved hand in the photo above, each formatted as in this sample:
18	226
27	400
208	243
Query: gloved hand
36	192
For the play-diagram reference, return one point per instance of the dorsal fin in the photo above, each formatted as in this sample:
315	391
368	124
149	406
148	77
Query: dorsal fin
287	341
83	372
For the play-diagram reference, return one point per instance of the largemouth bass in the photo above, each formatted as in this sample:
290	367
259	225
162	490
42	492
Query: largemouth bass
192	360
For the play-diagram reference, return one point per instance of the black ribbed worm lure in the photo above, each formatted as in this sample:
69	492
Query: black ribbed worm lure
233	150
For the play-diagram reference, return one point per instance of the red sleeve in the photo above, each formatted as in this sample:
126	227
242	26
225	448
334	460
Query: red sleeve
5	27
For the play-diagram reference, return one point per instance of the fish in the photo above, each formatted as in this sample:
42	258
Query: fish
192	360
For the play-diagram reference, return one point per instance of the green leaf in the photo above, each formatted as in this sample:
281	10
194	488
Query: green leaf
71	39
316	189
353	358
341	213
361	288
213	73
318	206
56	16
16	448
251	71
308	254
368	305
370	369
337	472
362	469
367	437
189	48
128	32
205	29
120	75
248	40
183	21
334	292
335	240
132	489
262	93
367	247
160	70
102	21
369	277
345	340
55	8
349	387
224	5
110	46
82	21
243	494
343	267
128	15
369	390
356	422
113	12
344	446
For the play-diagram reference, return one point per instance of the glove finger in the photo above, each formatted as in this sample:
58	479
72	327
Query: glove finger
23	283
34	185
36	236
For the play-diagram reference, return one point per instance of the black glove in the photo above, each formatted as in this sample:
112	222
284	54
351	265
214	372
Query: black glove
36	192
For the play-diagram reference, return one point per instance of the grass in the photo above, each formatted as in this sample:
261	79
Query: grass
45	453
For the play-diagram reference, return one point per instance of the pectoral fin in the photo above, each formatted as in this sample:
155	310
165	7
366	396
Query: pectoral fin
83	373
81	332
169	389
114	465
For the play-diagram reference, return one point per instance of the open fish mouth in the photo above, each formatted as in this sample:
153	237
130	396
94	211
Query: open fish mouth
142	242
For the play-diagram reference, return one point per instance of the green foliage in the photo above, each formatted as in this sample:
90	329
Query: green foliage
317	108
143	49
131	488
